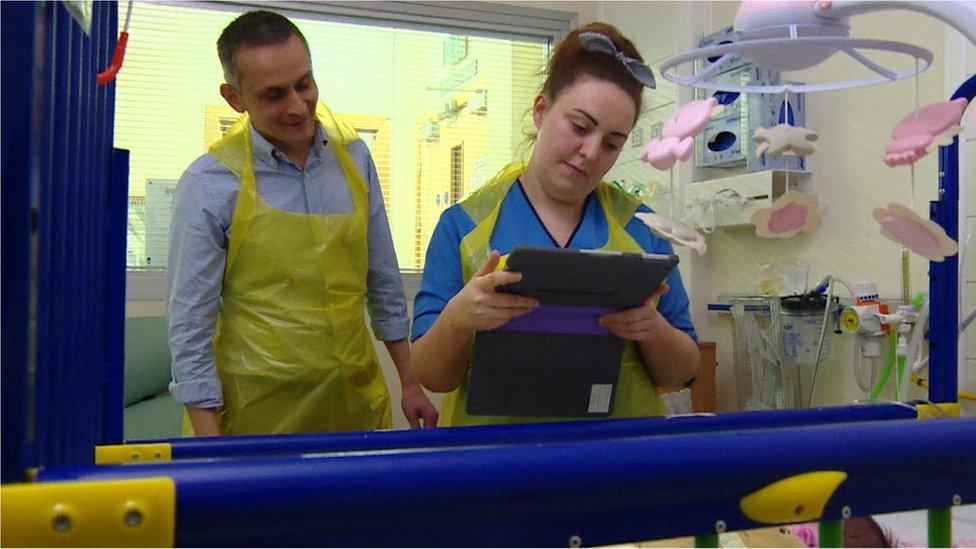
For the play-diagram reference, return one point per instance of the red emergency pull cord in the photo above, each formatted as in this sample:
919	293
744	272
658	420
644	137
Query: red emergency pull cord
109	73
118	55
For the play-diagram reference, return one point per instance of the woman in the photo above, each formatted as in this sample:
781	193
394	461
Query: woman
584	114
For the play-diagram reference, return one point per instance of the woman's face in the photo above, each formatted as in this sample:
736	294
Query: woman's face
580	136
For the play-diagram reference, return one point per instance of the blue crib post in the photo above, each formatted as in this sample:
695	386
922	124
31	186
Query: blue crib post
944	295
944	275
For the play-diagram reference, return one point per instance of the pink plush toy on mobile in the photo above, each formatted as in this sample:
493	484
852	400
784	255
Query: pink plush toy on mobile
677	140
932	125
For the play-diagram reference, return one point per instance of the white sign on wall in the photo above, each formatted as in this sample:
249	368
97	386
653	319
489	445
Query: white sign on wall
159	212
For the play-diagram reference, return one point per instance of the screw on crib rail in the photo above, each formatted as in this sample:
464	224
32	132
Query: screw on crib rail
61	522
129	453
133	516
111	513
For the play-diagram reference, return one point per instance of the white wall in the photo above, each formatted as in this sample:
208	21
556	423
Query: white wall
851	180
584	11
849	176
659	30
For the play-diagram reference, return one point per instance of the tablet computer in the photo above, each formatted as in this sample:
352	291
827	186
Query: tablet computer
589	278
557	361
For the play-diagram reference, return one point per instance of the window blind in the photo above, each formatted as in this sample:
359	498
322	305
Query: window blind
417	92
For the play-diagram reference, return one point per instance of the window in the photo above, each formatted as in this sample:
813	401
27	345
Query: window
457	173
440	94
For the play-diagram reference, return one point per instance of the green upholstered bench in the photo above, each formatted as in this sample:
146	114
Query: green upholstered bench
150	412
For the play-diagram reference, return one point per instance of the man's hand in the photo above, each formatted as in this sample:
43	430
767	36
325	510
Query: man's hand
205	421
416	406
639	323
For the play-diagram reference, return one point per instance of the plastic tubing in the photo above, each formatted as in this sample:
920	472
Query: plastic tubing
829	281
857	367
966	395
889	363
823	333
970	316
916	303
847	285
914	345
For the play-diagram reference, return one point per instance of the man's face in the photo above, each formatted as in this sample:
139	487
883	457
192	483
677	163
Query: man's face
276	88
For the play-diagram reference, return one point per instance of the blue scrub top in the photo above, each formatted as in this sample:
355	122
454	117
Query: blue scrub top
519	224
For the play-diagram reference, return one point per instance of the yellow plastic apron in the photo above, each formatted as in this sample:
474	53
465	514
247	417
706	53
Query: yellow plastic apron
292	349
635	393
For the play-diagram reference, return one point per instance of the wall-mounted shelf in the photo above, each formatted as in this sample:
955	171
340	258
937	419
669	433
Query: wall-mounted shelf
759	189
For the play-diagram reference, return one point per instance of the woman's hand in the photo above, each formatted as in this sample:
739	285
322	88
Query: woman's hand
639	323
479	307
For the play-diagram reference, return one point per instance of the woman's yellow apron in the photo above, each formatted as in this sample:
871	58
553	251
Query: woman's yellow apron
635	394
292	349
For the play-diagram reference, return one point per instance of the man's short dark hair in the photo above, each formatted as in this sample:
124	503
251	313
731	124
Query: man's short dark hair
254	28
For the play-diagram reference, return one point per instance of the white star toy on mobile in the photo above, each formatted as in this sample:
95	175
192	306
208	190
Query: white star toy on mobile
785	140
674	231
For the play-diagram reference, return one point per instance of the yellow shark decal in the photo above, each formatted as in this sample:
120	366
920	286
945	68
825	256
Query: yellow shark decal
798	498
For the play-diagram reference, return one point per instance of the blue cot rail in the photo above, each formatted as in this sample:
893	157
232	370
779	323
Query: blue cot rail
187	448
604	491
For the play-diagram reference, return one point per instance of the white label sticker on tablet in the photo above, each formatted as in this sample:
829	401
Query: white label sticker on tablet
600	398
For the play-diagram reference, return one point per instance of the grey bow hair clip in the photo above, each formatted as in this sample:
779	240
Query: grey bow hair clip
600	43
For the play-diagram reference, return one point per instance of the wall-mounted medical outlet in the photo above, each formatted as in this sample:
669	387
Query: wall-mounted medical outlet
730	201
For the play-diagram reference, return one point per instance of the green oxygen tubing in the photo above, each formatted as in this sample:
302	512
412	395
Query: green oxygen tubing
893	356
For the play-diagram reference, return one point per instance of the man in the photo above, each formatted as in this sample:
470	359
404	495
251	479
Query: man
279	242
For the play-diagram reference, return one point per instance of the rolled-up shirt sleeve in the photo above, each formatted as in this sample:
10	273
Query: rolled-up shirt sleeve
197	253
385	299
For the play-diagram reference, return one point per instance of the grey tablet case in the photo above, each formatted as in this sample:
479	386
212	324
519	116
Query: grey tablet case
558	361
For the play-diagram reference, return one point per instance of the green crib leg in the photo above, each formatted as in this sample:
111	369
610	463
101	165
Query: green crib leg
940	527
832	533
708	540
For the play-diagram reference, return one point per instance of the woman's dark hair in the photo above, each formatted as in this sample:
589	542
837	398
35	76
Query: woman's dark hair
569	62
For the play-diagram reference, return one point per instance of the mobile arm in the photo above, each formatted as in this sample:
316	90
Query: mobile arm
961	15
